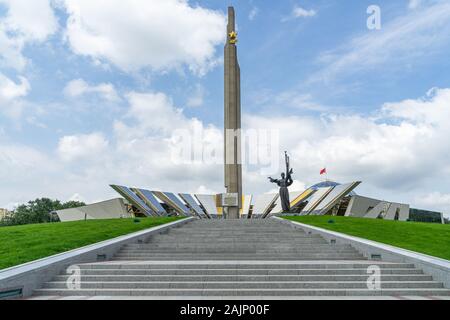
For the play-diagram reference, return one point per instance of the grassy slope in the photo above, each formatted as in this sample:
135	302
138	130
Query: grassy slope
428	238
20	244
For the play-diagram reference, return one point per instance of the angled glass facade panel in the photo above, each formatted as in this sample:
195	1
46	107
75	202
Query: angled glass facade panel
246	205
133	199
278	208
193	204
149	198
177	201
172	201
292	196
270	206
263	203
334	197
209	203
302	197
315	199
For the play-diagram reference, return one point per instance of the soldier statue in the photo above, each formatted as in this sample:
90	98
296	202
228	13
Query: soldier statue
284	183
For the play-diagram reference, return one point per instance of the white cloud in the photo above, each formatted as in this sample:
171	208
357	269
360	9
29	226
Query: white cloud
79	87
88	146
299	12
77	197
10	90
205	190
154	112
298	186
435	200
11	51
134	34
253	13
298	101
399	42
16	160
197	96
155	123
414	4
34	20
29	173
25	21
11	94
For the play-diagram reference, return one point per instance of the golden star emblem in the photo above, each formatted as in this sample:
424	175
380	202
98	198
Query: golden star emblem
233	37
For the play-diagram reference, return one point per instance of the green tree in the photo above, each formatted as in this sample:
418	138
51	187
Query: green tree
72	204
38	211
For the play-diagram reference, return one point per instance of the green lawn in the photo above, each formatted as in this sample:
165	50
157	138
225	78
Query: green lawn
20	244
429	238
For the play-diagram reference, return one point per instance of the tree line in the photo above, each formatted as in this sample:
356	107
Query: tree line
38	211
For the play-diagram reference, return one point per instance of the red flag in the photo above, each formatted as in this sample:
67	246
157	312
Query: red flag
323	171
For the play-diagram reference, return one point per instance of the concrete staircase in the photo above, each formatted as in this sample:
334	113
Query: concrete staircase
236	240
241	258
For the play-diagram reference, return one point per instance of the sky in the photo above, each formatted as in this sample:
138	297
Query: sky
92	93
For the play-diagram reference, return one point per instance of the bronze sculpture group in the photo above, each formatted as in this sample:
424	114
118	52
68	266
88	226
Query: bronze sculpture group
284	183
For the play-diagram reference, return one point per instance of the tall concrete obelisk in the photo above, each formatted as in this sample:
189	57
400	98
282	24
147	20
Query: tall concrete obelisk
233	167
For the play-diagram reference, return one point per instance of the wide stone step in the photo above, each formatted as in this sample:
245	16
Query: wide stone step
235	232
276	226
242	277
230	258
209	258
241	239
221	241
243	244
245	292
228	236
286	248
145	253
247	266
235	250
235	228
240	245
241	256
234	247
225	222
274	231
194	233
171	238
220	225
247	285
270	231
91	272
